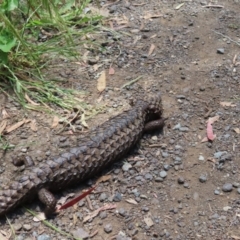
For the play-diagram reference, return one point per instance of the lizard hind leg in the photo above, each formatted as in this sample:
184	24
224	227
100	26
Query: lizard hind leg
48	200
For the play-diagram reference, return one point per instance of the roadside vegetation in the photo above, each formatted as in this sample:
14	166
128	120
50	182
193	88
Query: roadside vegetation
32	34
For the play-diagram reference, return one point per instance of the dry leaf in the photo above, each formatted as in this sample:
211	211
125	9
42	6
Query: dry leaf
40	217
5	114
149	16
2	237
99	11
15	126
83	121
235	237
151	49
205	139
227	104
30	100
96	212
179	6
101	82
237	130
84	57
104	178
55	121
62	200
96	67
213	119
153	36
33	125
3	125
148	221
132	201
111	71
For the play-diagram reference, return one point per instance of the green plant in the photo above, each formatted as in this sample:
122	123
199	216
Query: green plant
22	64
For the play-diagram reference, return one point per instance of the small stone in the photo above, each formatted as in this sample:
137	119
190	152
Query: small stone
177	127
44	237
126	166
81	233
103	214
201	158
165	154
108	228
220	50
27	227
117	197
236	184
202	88
17	226
180	97
154	138
122	212
227	187
158	179
184	129
226	208
166	167
216	192
238	190
219	154
148	176
181	180
202	178
103	197
163	174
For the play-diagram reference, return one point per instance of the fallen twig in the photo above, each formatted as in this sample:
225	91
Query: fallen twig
131	82
238	43
96	212
213	6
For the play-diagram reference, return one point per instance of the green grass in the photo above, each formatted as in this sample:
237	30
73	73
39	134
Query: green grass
24	60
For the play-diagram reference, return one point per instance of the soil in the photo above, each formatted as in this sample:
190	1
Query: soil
173	186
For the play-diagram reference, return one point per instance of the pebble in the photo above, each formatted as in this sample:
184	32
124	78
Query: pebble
184	129
219	154
148	176
201	158
17	226
238	190
158	179
166	167
81	233
27	227
44	237
103	214
220	50
227	187
108	228
122	212
203	178
126	166
181	180
117	197
103	197
154	138
165	154
216	192
163	174
177	127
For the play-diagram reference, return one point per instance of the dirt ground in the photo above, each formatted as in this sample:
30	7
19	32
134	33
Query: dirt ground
173	186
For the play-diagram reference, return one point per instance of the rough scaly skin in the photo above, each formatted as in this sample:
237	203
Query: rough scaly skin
100	147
